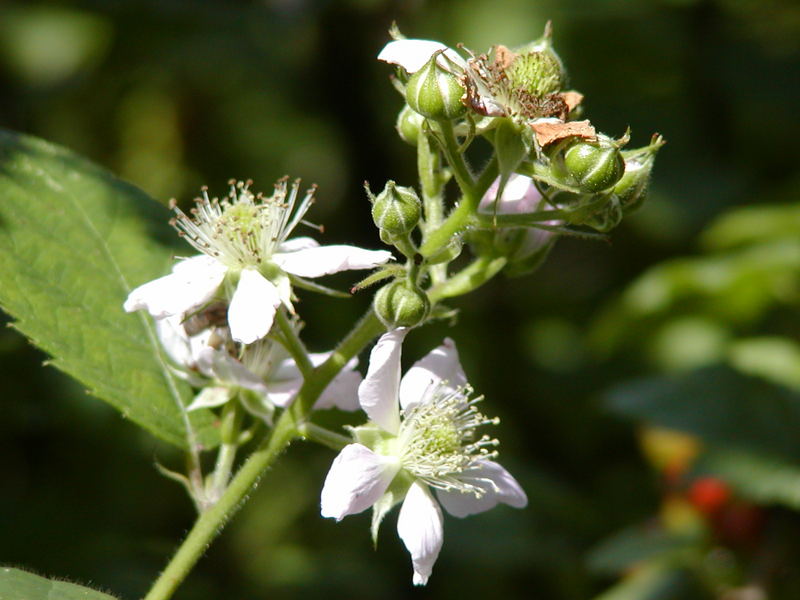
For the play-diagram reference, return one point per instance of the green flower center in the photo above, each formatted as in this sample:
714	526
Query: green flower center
438	441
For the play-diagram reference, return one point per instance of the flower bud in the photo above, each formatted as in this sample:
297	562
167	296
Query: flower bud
588	167
396	210
632	188
401	304
435	93
409	125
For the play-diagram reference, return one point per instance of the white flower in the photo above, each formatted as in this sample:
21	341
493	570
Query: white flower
245	249
520	196
423	439
272	376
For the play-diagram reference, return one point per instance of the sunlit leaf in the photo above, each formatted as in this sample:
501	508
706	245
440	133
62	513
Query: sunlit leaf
73	243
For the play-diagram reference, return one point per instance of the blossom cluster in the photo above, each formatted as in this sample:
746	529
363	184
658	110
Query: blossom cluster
226	317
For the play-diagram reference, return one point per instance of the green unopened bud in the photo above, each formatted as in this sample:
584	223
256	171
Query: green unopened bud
435	93
632	188
588	167
401	304
396	210
409	125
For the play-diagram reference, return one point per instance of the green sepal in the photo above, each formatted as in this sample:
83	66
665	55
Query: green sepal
370	435
316	287
383	273
394	494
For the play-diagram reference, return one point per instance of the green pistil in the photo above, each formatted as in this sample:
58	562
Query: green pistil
538	73
437	440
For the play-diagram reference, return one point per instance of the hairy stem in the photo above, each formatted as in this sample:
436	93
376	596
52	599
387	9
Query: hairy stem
294	346
210	523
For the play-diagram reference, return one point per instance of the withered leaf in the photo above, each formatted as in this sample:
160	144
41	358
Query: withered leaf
548	132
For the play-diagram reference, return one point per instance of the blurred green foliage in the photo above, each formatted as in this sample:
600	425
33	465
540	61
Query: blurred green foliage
174	94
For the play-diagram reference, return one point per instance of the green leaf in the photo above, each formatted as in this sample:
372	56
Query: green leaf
640	544
20	585
752	224
719	405
762	478
73	243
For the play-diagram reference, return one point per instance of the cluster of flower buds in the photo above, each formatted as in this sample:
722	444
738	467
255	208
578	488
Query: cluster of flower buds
519	101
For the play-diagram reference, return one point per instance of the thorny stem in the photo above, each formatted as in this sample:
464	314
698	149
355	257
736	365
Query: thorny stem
210	523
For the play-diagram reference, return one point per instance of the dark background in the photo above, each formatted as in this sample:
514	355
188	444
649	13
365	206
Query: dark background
174	94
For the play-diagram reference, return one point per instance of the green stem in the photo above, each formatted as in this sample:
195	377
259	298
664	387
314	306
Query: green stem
231	423
470	277
365	330
461	216
293	344
455	157
326	437
211	522
431	182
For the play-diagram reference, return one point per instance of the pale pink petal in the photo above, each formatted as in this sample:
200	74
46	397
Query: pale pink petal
286	369
324	260
439	365
227	369
499	486
378	393
357	479
342	392
413	54
176	342
519	196
299	243
421	529
252	307
192	282
281	393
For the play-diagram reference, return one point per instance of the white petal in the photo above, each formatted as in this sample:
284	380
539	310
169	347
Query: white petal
357	479
228	370
378	393
413	54
209	398
342	392
420	527
281	393
299	243
324	260
192	282
499	484
286	369
252	307
439	365
519	196
174	339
